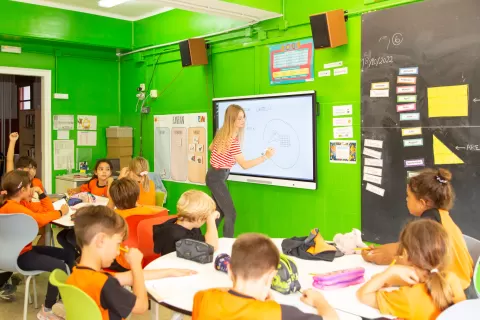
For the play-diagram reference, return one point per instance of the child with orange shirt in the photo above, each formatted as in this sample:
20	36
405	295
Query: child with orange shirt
100	182
138	171
16	193
429	288
430	195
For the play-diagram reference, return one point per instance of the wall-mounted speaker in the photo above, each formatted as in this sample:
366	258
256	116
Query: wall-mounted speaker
329	29
193	52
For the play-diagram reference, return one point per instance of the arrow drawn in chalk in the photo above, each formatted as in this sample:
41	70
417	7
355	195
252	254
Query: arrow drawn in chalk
458	148
476	100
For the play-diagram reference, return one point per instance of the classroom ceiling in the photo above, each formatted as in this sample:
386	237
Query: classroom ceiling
133	10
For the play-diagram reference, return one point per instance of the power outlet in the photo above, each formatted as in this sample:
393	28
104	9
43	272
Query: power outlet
145	110
142	87
153	94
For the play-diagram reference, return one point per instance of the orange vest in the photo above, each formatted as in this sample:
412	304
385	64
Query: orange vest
147	198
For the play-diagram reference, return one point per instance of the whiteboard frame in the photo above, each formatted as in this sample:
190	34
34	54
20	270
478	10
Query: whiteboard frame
276	181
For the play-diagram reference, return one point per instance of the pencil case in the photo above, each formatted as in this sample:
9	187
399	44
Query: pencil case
339	279
194	250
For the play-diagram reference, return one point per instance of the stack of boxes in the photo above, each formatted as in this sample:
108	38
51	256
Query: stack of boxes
120	144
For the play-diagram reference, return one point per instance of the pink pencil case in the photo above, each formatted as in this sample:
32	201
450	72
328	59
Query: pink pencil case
339	279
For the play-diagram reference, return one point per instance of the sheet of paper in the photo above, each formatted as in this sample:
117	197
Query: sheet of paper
407	98
342	110
371	178
372	171
414	116
443	155
449	101
374	189
342	122
333	65
407	80
343	151
63	122
413	142
380	93
380	85
373	162
406	107
408	71
340	71
414	163
406	89
372	153
63	134
86	122
325	73
411	131
373	143
63	154
86	138
343	132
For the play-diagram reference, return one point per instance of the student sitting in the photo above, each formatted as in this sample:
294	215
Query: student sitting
252	267
100	182
137	170
429	287
194	208
430	195
17	191
100	231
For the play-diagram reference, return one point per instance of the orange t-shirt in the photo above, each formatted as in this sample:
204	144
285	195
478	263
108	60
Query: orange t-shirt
93	187
147	198
42	218
38	183
462	263
138	211
415	303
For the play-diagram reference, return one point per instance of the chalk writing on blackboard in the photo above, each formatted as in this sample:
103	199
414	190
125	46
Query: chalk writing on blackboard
396	39
368	62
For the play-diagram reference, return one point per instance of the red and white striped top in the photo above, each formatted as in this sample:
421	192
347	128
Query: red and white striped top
226	160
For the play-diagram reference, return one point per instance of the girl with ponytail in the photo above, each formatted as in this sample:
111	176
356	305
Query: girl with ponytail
430	195
430	288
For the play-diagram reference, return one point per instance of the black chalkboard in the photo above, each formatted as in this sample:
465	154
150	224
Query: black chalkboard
442	39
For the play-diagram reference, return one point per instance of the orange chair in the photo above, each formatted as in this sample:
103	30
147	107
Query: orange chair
133	221
145	237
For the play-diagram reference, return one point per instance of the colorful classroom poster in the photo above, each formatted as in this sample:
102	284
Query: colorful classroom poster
291	62
343	151
180	147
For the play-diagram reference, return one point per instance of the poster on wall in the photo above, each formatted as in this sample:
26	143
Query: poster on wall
181	147
343	151
291	62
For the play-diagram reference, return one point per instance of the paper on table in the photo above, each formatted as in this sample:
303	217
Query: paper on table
66	220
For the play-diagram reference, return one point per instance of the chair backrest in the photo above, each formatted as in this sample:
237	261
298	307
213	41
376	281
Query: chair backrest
133	221
465	310
16	231
145	237
476	277
473	246
78	304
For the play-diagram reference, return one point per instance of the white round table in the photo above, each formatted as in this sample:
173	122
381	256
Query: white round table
177	293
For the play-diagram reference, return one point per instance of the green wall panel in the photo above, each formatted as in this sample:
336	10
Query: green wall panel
269	5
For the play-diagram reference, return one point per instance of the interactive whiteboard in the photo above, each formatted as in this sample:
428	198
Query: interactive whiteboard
285	122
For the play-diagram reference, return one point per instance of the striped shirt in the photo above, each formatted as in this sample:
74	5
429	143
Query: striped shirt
227	159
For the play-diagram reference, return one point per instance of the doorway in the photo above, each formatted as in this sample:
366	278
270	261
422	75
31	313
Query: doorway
25	107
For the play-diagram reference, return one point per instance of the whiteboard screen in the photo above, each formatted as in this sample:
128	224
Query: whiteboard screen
283	122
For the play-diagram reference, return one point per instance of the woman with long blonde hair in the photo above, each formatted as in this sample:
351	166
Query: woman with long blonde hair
225	153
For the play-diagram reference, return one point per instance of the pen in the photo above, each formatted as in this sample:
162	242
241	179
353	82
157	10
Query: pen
393	262
361	249
123	249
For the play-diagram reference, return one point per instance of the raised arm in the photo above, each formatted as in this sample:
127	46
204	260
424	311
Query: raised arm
11	151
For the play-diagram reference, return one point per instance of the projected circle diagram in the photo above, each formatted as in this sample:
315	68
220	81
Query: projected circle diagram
281	136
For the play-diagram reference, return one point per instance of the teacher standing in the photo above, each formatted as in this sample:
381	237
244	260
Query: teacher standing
226	151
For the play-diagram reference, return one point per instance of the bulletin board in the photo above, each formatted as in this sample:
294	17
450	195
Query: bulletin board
420	108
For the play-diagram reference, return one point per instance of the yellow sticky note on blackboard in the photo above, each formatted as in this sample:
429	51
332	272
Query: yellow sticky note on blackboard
451	101
443	155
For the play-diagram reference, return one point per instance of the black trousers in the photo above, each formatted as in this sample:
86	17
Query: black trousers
217	183
66	238
46	258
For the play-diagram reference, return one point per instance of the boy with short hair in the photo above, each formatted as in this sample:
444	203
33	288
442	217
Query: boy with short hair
100	231
194	208
252	267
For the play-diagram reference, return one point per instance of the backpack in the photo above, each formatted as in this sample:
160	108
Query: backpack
286	279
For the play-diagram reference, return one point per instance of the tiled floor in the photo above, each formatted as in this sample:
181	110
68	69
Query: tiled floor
14	310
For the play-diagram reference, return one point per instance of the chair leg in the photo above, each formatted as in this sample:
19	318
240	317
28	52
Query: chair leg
35	302
154	309
27	297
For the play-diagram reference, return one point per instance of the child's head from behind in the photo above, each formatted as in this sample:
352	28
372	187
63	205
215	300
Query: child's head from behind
27	164
16	184
138	169
195	206
430	189
99	232
124	193
254	259
103	169
426	245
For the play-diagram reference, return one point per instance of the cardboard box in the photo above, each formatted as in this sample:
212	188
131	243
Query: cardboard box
125	161
120	142
117	152
119	132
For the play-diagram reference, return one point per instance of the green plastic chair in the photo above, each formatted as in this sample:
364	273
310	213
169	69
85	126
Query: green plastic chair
476	277
159	198
78	304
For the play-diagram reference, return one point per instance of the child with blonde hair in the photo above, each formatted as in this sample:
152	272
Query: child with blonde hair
429	288
195	208
138	170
